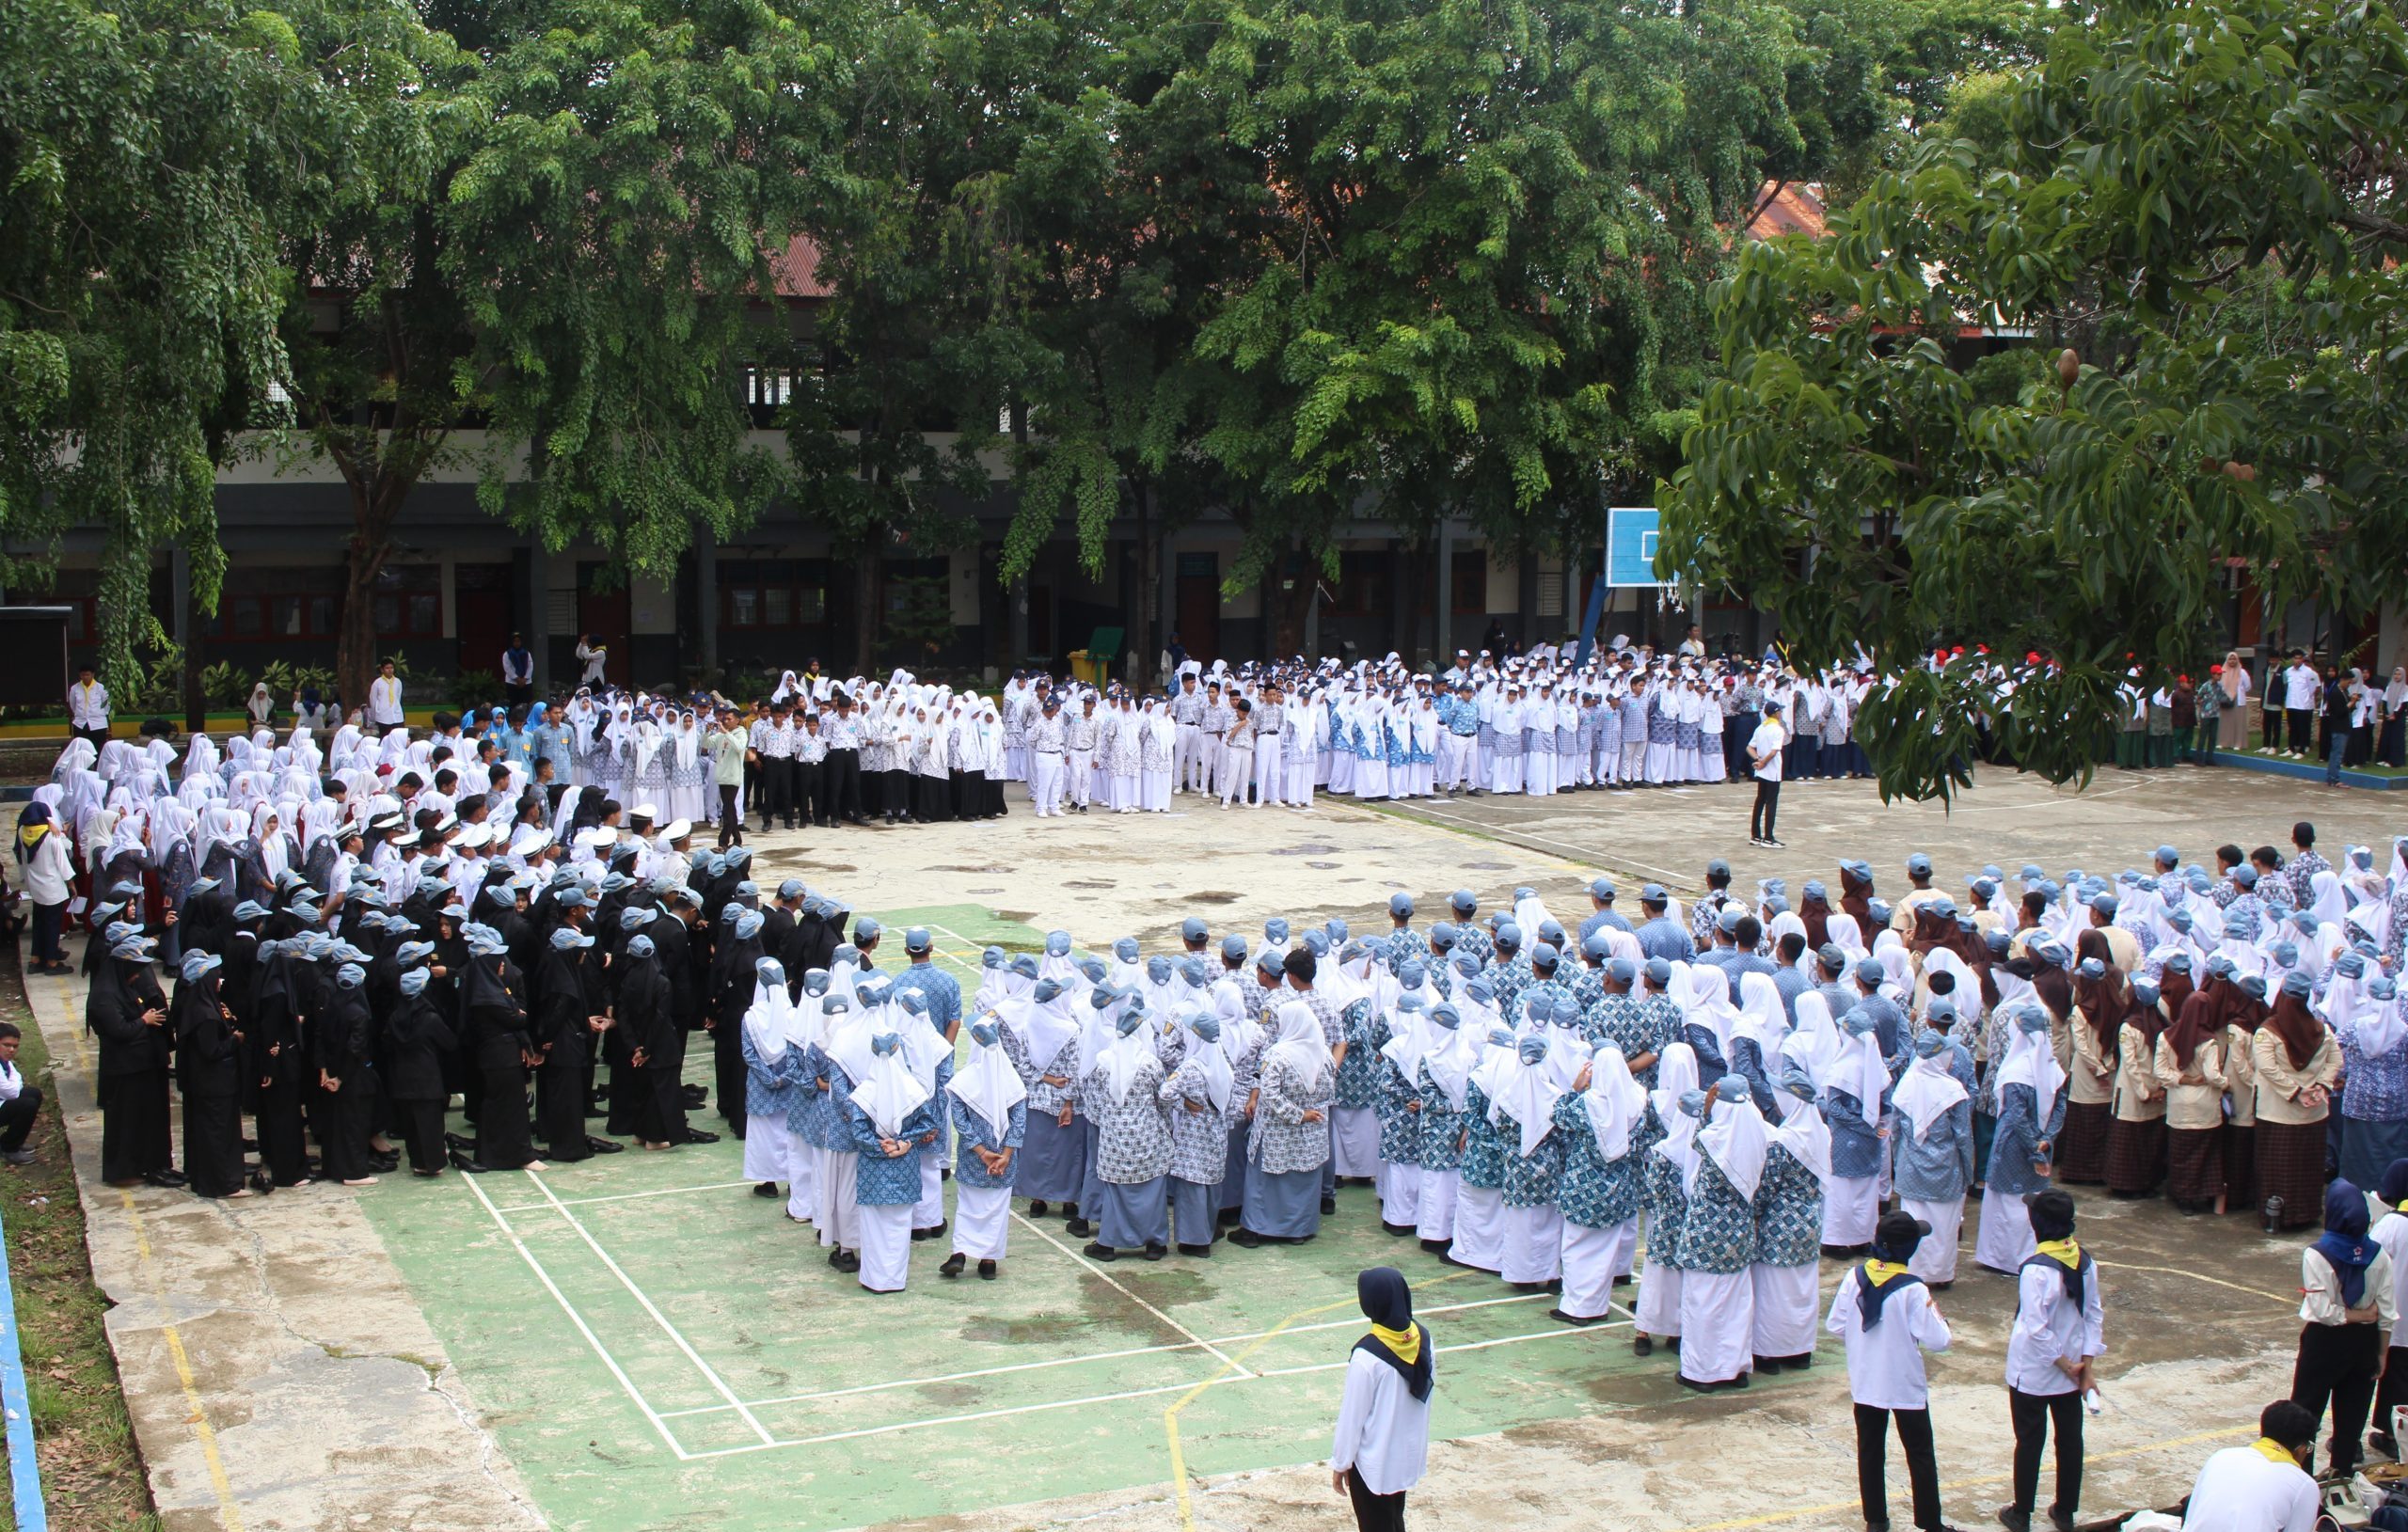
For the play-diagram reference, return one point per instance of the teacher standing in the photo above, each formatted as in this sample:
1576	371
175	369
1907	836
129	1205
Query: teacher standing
1383	1440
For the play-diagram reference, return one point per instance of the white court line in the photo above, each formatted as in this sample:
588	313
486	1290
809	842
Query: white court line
975	1415
708	1372
623	1196
1072	1360
591	1339
1105	1277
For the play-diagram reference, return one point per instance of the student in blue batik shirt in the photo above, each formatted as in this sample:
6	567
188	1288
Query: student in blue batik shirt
892	1120
811	1119
2031	1115
990	1113
1789	1231
1397	1102
1052	1161
931	1055
772	1076
1522	1106
1442	1086
1287	1143
1198	1097
1934	1161
1718	1241
1855	1103
1478	1239
1596	1122
1121	1096
1676	1110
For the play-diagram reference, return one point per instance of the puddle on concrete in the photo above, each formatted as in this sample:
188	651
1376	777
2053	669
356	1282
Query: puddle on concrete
1017	917
1214	896
1305	851
1105	883
1488	866
1037	1332
1325	867
990	869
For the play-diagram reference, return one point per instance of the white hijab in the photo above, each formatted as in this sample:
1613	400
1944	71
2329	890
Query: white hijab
2032	1060
989	1085
766	1023
1927	1092
887	1090
1220	1075
1735	1141
1527	1093
1300	1045
1613	1100
1124	1056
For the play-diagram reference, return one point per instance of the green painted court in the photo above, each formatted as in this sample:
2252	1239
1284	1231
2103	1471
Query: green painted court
656	1347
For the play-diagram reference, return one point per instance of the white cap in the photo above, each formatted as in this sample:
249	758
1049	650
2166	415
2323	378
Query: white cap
677	829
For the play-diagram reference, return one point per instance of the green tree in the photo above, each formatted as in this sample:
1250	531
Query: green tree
2205	200
566	243
149	153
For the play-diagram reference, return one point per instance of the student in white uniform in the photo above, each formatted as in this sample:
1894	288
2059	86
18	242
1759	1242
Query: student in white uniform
2263	1487
1383	1438
2058	1333
1885	1316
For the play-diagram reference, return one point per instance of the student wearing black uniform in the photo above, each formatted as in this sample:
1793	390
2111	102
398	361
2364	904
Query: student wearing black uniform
564	1028
492	997
644	1023
420	1039
342	1039
129	1014
208	1073
278	1063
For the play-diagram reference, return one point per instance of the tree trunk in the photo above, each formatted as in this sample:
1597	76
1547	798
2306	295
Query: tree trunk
867	599
196	699
1150	584
364	558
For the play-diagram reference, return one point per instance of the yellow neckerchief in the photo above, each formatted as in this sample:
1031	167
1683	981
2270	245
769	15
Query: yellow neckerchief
2065	1252
1404	1343
1878	1271
2273	1451
30	836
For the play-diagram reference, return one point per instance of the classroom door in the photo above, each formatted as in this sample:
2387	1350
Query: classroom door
481	614
605	614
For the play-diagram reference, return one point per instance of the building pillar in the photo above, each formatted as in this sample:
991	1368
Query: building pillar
707	594
1445	646
1525	587
1016	606
539	614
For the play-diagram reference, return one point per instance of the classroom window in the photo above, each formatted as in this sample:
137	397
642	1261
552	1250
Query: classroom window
1468	582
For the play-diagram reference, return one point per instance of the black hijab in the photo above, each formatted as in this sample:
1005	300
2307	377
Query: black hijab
1388	1304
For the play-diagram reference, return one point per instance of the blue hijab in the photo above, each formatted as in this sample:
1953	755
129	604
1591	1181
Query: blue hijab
2345	1243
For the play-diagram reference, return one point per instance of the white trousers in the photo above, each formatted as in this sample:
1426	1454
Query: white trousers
1788	1305
1659	1300
1400	1194
1080	767
1045	785
1718	1325
1435	1212
886	1247
1237	769
1533	1244
1268	776
929	1210
1300	783
1187	761
1454	762
2005	1240
769	1150
1592	1259
1479	1235
838	1188
1935	1259
1851	1206
1634	762
802	1180
982	1220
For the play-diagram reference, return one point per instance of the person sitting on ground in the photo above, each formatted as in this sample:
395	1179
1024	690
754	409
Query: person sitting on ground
2263	1487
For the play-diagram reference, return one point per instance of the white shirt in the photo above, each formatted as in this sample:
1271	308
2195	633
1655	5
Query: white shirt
2047	1327
1885	1362
2391	1232
1768	739
2320	1289
1383	1430
2242	1490
2303	689
384	702
12	1082
49	876
87	706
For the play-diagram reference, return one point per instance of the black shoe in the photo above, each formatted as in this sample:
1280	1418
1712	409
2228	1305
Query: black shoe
766	1189
1395	1230
694	1096
461	1162
1766	1365
1036	1209
1229	1216
945	1173
603	1146
986	1270
1096	1251
1070	1209
1078	1228
1799	1362
1328	1206
1201	1252
847	1261
1574	1318
2014	1520
918	1235
1644	1346
695	1135
1155	1251
1436	1247
1245	1238
454	1141
168	1179
952	1265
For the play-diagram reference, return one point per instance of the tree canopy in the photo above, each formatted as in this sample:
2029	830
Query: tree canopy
2198	209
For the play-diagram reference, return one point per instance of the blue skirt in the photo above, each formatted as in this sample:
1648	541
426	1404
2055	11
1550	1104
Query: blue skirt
1051	1161
1286	1206
1091	1145
2368	1149
1130	1217
1233	1174
1194	1210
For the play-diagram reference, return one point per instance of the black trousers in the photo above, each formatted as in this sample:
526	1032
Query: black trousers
421	1131
1767	808
731	823
844	772
17	1118
2033	1414
2338	1362
776	790
811	791
48	919
1374	1512
1872	1453
2302	721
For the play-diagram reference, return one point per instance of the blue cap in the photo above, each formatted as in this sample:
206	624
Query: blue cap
1464	901
2104	904
1919	865
866	929
1232	948
1193	928
916	938
2167	856
1659	971
1401	905
1653	893
1601	889
1869	971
